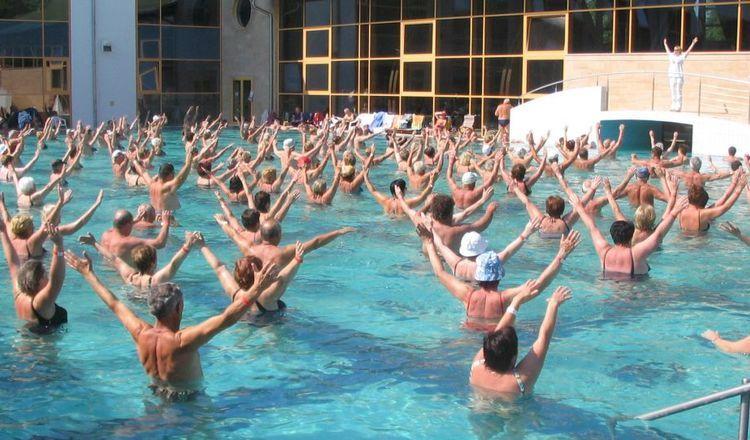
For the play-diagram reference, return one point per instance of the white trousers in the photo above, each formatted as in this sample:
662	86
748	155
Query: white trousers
675	86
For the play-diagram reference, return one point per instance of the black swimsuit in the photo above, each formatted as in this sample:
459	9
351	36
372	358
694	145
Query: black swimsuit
46	326
30	256
262	311
632	266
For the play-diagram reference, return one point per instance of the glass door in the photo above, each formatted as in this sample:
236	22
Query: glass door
242	98
545	46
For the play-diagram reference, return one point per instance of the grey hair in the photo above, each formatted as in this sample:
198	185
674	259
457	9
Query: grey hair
163	299
696	163
29	277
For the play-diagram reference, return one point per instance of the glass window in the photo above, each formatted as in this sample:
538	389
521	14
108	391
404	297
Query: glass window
290	77
190	12
651	26
453	8
453	37
590	32
344	77
316	77
364	41
622	30
290	45
364	69
316	103
364	10
546	5
502	76
287	104
149	104
456	108
56	74
148	76
476	110
543	72
591	4
418	77
317	44
419	9
385	10
477	7
745	41
503	6
189	43
477	36
344	11
21	10
21	39
342	102
291	13
175	105
452	76
317	13
715	26
344	41
503	35
384	76
243	11
148	11
56	10
148	42
416	105
385	40
418	38
656	2
384	104
547	33
476	76
190	76
56	41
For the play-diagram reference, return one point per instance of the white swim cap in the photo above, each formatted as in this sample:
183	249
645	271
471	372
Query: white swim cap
418	167
288	143
486	149
26	185
155	142
155	118
469	178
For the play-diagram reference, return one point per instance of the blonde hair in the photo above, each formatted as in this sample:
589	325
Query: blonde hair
22	226
645	216
347	171
268	175
319	187
46	211
465	159
349	158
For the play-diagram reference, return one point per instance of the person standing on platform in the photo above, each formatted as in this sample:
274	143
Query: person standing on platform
676	77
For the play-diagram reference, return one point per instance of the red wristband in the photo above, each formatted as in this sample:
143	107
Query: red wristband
185	249
246	301
298	259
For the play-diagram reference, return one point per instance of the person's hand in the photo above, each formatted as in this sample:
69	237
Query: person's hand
607	186
695	40
675	134
67	196
80	265
568	244
532	226
347	230
267	276
651	133
87	239
622	127
189	239
631	171
492	207
730	228
54	234
679	206
596	182
560	295
198	239
220	219
166	217
529	291
487	193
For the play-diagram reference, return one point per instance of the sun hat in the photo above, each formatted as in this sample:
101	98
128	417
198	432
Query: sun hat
26	185
469	178
642	173
489	268
472	244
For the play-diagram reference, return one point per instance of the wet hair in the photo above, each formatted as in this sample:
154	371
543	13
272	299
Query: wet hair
735	165
7	160
204	168
22	226
644	219
518	172
584	153
163	299
430	152
189	136
488	285
319	187
732	151
682	148
30	276
500	349
270	230
262	201
622	232
122	218
442	208
166	170
555	206
570	145
657	152
57	165
697	196
401	183
144	257
235	184
250	218
244	271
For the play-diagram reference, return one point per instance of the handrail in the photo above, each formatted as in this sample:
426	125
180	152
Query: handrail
742	390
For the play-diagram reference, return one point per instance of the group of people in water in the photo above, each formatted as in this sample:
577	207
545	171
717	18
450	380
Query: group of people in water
449	225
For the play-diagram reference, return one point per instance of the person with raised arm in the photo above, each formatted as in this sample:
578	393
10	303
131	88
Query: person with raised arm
318	193
27	194
694	177
391	205
469	193
697	218
163	188
609	146
518	175
167	353
118	241
641	192
495	370
676	76
8	169
730	228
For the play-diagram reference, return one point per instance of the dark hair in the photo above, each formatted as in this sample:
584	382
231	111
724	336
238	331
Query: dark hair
166	170
189	136
570	145
518	172
250	218
244	271
144	257
697	196
732	151
500	349
442	209
401	183
622	232
429	151
657	151
262	201
489	285
555	206
204	168
735	165
235	184
270	230
583	153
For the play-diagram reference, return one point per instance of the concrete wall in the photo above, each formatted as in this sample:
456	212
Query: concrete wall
246	53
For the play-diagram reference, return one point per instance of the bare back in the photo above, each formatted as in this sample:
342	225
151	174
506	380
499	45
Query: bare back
164	360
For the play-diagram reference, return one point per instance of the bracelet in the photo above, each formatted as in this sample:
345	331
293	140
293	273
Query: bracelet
298	259
512	310
59	254
523	238
246	301
185	249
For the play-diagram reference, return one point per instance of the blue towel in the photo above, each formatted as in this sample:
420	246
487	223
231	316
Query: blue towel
377	121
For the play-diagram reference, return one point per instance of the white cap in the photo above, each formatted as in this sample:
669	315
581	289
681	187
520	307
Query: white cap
472	244
12	133
155	142
469	178
117	153
288	143
418	167
486	149
26	185
155	118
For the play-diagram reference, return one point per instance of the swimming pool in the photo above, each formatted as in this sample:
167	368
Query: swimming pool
372	345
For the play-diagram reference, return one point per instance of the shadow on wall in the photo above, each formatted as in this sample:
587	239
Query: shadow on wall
636	134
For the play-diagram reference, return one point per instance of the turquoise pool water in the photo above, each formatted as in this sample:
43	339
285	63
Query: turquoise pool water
372	345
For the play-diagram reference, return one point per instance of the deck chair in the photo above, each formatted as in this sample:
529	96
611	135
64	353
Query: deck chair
417	122
468	121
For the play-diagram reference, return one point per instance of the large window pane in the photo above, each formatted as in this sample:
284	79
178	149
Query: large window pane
456	108
715	27
317	13
148	42
384	76
416	105
384	104
21	10
291	13
453	37
477	7
149	104
364	71
187	43
385	10
190	76
176	105
23	81
148	76
452	76
476	110
545	5
745	41
591	4
547	33
342	102
590	32
453	8
418	77
56	41
190	12
56	74
344	41
543	72
385	40
503	35
503	6
148	12
316	77
344	11
21	39
418	38
419	9
56	10
287	104
344	77
290	45
623	31
477	37
315	104
364	41
650	26
476	76
290	76
502	76
317	44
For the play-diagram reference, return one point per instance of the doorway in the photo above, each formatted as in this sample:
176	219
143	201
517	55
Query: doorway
242	98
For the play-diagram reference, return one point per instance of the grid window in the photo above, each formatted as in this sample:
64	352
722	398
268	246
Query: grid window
342	102
190	76
21	39
651	26
21	10
291	13
545	5
745	41
476	76
317	103
452	76
344	11
385	10
418	77
547	33
543	72
190	12
384	76
591	4
344	41
715	27
503	35
623	31
290	45
503	76
56	10
590	32
503	6
384	104
418	38
417	105
290	76
456	108
453	8
149	11
477	36
385	40
317	13
419	9
317	44
316	77
186	43
56	40
344	77
453	37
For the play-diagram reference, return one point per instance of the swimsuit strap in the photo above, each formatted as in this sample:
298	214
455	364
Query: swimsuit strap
234	295
519	381
468	302
456	265
632	264
604	261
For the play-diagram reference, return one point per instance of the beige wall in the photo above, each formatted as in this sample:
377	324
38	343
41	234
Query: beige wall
645	90
24	86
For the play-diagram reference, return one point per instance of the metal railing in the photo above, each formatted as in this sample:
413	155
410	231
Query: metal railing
706	95
743	391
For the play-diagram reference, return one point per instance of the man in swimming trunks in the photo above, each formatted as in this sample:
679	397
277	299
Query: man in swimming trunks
641	192
119	242
502	112
170	354
163	188
469	193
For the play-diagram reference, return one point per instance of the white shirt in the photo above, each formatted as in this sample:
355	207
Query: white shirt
675	64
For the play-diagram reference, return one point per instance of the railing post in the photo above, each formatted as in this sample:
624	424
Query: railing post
700	87
744	412
653	89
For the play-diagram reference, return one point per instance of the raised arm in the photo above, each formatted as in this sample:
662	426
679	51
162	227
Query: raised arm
161	240
180	178
456	287
692	45
649	245
531	227
168	272
380	198
323	239
531	208
72	228
45	299
666	47
600	243
11	257
225	277
613	202
730	228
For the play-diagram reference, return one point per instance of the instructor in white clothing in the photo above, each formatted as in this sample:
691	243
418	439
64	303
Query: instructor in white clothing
676	78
